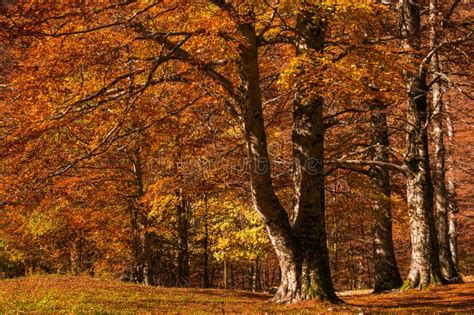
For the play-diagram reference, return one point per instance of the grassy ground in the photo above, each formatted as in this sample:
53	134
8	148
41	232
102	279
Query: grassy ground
54	294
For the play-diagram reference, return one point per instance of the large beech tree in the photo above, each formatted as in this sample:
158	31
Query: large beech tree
425	267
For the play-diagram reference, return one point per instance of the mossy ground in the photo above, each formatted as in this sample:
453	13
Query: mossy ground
65	294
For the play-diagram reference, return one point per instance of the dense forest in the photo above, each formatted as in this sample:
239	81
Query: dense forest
294	147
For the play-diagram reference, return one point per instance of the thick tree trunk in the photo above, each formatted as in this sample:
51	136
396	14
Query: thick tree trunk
263	194
448	268
387	276
301	252
308	216
424	268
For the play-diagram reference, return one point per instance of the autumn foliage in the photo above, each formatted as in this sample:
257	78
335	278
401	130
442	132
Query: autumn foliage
126	135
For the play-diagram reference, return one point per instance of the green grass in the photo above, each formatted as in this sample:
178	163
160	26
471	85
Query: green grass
81	295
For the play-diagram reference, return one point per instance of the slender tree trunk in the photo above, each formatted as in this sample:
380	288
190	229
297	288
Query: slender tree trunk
452	198
335	236
424	268
257	283
139	222
182	214
453	224
387	276
225	274
147	267
206	283
448	268
137	272
336	249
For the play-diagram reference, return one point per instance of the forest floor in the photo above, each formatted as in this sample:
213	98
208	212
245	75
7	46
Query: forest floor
65	294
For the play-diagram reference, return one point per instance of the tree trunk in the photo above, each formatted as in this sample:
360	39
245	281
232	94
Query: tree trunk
452	198
225	274
448	268
424	268
308	216
453	223
182	215
206	283
301	252
137	271
141	237
425	261
387	276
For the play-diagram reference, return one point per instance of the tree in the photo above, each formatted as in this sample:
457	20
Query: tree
387	276
425	268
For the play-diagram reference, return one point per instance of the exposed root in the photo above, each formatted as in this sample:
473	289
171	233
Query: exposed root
454	280
416	283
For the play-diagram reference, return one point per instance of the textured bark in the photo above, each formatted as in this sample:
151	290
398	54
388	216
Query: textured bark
441	202
452	197
263	194
424	268
387	276
301	252
448	267
308	216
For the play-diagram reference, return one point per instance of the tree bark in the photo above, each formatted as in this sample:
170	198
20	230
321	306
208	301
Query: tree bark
424	268
263	194
141	237
308	216
448	268
452	198
387	276
206	283
453	224
302	250
182	216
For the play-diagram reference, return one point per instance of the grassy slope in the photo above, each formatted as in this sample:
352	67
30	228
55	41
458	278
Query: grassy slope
83	295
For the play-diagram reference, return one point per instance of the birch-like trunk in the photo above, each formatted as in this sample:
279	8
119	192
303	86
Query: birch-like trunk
424	268
441	200
452	196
